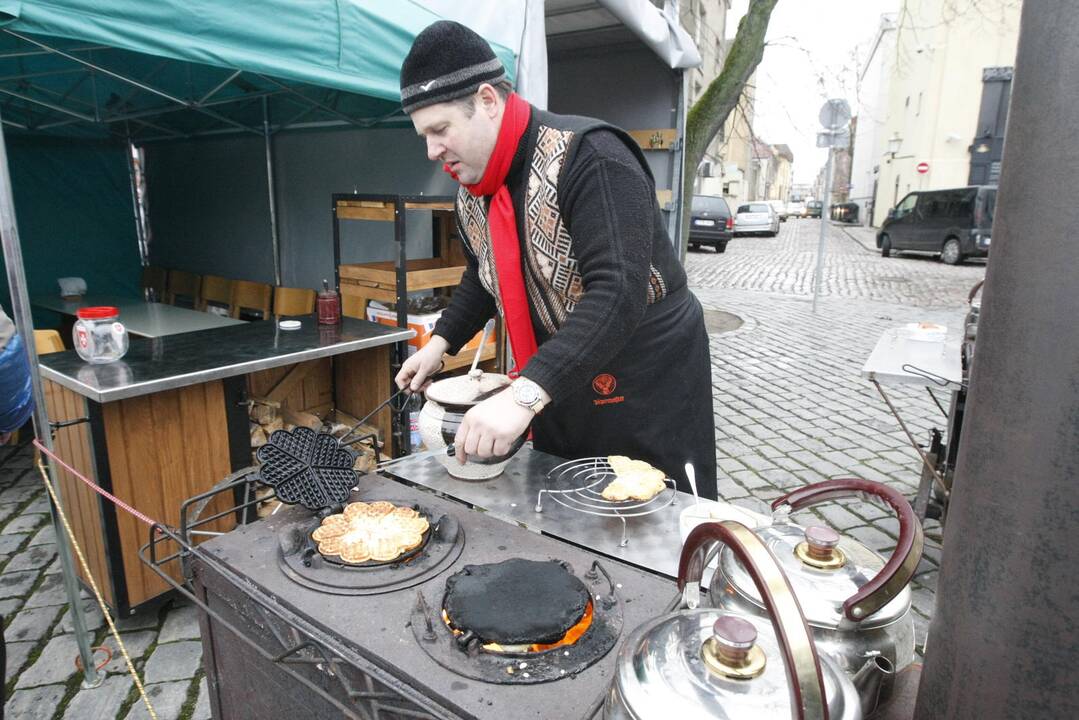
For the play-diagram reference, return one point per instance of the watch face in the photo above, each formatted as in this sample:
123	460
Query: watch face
526	394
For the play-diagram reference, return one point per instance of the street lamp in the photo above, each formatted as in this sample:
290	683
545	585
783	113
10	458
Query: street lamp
894	143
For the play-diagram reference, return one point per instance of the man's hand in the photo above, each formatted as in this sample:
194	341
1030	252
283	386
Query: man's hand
489	429
417	370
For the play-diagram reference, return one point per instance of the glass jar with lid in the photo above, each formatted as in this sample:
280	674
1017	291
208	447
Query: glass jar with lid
98	334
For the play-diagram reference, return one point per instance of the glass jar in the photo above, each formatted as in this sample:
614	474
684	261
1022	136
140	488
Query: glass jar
98	334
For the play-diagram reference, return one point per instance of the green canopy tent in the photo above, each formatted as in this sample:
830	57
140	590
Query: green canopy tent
82	82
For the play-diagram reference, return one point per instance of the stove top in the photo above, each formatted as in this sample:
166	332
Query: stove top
362	652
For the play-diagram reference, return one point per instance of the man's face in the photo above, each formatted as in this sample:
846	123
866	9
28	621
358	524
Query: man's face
453	137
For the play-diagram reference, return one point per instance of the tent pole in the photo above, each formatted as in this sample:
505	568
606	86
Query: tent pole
20	305
133	180
270	189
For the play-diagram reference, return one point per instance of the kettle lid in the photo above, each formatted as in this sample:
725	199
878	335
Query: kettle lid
709	663
823	568
466	389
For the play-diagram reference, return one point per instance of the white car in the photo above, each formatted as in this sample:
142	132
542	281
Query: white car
796	208
756	218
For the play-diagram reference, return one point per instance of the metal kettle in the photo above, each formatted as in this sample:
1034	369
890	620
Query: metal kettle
856	603
703	662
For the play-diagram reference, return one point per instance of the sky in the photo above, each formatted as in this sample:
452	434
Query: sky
812	52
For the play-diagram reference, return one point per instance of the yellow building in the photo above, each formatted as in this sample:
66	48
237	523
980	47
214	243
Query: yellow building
947	96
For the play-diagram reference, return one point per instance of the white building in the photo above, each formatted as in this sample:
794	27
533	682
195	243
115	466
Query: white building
947	97
872	112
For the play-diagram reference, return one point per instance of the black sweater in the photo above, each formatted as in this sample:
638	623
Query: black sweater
608	203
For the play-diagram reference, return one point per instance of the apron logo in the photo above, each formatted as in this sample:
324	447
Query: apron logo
604	384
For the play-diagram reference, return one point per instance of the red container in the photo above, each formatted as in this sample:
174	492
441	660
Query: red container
329	308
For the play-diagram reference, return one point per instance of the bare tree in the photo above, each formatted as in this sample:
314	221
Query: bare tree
706	117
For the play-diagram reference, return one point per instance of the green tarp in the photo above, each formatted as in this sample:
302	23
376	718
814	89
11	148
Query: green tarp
351	45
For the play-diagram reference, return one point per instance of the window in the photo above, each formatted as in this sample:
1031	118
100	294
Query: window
906	206
754	208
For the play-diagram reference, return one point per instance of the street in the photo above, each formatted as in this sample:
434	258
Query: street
790	404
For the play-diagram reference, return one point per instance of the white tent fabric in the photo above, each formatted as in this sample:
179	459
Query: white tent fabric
515	24
659	30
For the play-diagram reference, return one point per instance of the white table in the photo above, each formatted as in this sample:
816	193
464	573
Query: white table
141	318
900	359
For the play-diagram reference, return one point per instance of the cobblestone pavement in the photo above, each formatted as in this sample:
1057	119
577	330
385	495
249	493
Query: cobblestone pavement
41	680
853	268
790	408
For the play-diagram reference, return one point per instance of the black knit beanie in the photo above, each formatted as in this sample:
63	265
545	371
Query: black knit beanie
447	61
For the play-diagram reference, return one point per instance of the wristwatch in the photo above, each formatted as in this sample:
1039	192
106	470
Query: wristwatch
527	394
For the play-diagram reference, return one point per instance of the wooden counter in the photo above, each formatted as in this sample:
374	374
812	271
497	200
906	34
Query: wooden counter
170	421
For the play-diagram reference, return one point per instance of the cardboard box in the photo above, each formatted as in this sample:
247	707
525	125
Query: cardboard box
423	324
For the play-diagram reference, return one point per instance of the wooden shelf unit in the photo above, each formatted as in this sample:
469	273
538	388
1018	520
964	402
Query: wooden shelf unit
392	280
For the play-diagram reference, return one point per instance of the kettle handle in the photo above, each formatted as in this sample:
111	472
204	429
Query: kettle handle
902	564
799	651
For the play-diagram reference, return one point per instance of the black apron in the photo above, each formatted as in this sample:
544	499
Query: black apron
651	402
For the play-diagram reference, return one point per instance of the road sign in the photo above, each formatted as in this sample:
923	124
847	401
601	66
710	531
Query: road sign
834	114
922	168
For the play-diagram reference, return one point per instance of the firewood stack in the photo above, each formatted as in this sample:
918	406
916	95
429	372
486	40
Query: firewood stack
266	416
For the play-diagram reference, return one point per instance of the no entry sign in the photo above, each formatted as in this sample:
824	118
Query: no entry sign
922	168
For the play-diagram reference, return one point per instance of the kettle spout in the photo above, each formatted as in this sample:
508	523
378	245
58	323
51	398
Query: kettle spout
874	682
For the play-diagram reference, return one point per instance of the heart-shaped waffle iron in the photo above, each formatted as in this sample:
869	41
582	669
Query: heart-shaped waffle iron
307	467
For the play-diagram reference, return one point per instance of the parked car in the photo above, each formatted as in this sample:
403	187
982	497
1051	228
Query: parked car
957	223
756	218
710	222
844	212
781	209
796	208
814	208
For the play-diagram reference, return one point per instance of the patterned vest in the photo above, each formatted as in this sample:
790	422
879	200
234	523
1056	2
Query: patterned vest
552	279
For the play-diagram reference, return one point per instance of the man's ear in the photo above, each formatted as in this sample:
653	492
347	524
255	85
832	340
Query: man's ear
488	99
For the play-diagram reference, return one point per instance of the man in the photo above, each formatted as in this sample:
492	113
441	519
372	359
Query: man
564	238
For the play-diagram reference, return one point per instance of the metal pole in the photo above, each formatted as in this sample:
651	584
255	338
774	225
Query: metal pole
20	307
823	227
270	190
1002	641
678	162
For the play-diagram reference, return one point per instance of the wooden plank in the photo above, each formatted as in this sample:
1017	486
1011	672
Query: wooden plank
378	214
163	449
655	138
384	272
442	277
365	293
465	357
430	205
362	382
288	383
82	505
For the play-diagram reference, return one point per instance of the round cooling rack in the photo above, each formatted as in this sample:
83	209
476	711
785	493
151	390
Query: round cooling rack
578	485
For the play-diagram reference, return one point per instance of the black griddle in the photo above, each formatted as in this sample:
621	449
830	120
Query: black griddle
516	601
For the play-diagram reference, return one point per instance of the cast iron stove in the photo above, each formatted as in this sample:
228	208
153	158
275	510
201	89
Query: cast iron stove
323	640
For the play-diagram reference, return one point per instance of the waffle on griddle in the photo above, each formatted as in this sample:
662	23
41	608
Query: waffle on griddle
379	531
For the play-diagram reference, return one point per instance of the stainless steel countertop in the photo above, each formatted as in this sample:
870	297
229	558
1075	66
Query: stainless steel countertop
654	543
139	317
174	361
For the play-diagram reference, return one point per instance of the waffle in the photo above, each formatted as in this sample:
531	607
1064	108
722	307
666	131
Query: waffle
634	479
379	531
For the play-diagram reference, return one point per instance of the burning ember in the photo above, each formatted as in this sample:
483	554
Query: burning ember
572	635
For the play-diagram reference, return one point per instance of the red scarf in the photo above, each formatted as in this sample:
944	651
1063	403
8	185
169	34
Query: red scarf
503	223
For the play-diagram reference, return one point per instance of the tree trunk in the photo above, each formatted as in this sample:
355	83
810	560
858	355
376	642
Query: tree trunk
706	117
